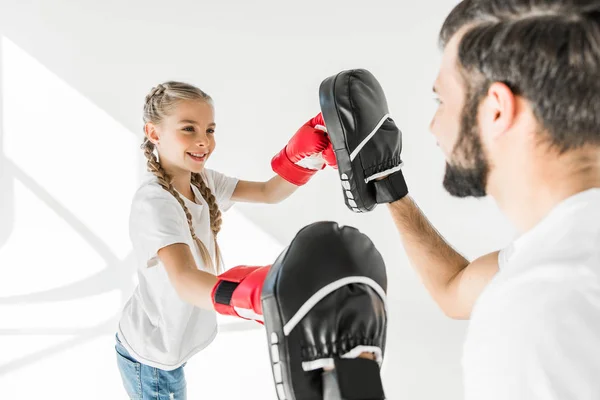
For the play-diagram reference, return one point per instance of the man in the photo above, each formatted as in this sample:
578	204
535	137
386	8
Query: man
519	120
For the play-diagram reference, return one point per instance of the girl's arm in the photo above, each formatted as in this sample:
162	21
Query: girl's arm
236	292
272	191
192	285
294	165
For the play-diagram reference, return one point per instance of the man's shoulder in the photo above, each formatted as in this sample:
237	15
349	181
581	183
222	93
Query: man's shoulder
545	289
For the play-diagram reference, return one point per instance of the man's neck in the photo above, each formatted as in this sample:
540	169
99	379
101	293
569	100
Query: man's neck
530	197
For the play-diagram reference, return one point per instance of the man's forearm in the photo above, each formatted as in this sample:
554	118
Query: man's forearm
433	258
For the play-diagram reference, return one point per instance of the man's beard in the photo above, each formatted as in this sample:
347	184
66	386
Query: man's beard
467	171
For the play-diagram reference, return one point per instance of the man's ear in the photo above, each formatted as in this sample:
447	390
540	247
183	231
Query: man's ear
498	112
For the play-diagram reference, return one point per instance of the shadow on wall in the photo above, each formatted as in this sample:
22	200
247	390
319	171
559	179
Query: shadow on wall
66	266
264	85
74	76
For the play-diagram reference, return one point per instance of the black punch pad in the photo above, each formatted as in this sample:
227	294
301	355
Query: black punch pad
366	141
321	255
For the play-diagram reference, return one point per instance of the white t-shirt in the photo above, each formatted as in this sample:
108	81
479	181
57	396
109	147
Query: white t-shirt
157	327
535	330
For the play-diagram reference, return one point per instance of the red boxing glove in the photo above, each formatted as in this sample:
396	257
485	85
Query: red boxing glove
299	160
238	292
309	140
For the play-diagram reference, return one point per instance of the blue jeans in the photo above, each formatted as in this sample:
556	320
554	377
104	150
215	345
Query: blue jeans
143	382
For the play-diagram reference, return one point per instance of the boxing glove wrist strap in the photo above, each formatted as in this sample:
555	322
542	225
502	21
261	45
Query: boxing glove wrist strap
391	188
223	292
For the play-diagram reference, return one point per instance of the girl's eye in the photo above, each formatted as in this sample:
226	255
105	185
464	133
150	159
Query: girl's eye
210	131
189	129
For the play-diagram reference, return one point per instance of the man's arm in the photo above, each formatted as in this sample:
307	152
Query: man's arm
452	281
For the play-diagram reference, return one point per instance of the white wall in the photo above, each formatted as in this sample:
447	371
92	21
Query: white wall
74	76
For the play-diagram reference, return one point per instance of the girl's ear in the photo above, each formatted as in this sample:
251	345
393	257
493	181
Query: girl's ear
152	133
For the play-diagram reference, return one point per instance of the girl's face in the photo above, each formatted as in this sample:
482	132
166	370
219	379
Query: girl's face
185	139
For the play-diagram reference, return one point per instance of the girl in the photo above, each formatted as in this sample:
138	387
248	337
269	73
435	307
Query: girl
174	222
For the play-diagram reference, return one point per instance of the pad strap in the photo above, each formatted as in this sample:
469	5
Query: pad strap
391	188
359	379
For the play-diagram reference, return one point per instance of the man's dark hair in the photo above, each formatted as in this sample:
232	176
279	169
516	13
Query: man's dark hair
547	51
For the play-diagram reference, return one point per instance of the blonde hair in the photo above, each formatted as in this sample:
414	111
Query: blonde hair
161	100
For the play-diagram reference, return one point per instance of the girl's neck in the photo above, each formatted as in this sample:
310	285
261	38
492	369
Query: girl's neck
182	182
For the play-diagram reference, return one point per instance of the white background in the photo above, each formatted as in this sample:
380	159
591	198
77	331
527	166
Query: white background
74	75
